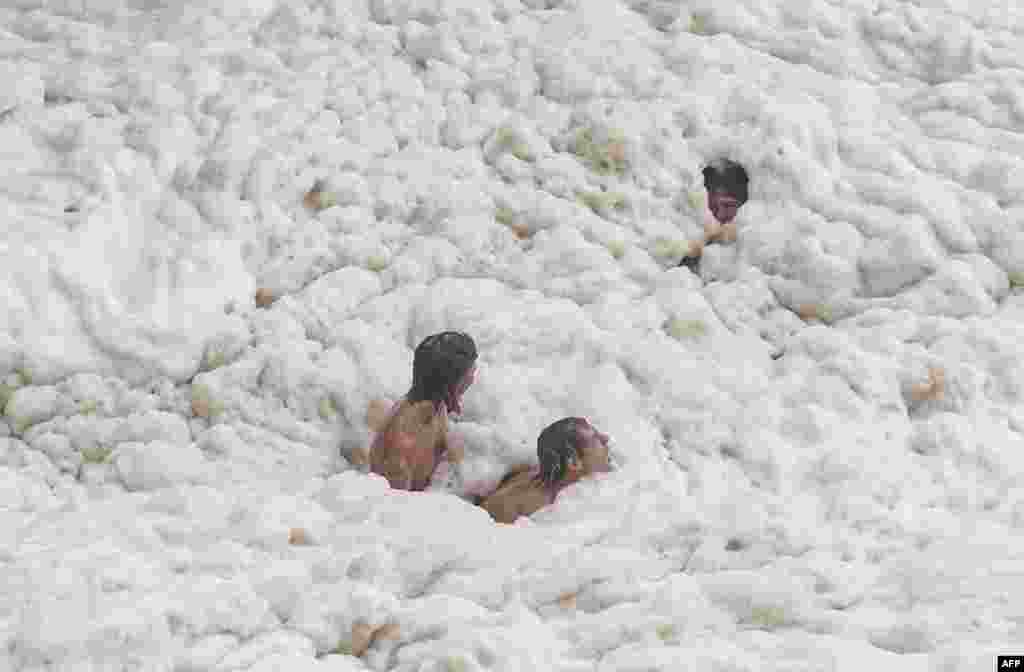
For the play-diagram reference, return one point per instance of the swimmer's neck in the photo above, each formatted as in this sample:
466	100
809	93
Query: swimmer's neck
441	407
570	479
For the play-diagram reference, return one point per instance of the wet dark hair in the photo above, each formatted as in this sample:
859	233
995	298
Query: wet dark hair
729	176
557	445
438	364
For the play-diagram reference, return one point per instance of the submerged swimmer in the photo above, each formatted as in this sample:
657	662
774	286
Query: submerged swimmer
727	185
413	439
568	450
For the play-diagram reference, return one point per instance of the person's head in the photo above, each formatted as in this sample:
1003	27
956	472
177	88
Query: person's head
443	368
570	449
727	185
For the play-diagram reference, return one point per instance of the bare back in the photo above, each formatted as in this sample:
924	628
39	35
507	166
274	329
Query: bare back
519	494
409	446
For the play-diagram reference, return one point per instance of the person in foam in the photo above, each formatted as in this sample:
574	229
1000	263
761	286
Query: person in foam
727	185
568	450
412	440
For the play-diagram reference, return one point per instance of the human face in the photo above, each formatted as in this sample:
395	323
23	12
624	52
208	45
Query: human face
467	380
723	205
593	450
454	401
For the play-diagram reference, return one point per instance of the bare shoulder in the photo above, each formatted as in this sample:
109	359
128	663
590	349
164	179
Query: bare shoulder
378	412
533	498
496	506
519	495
